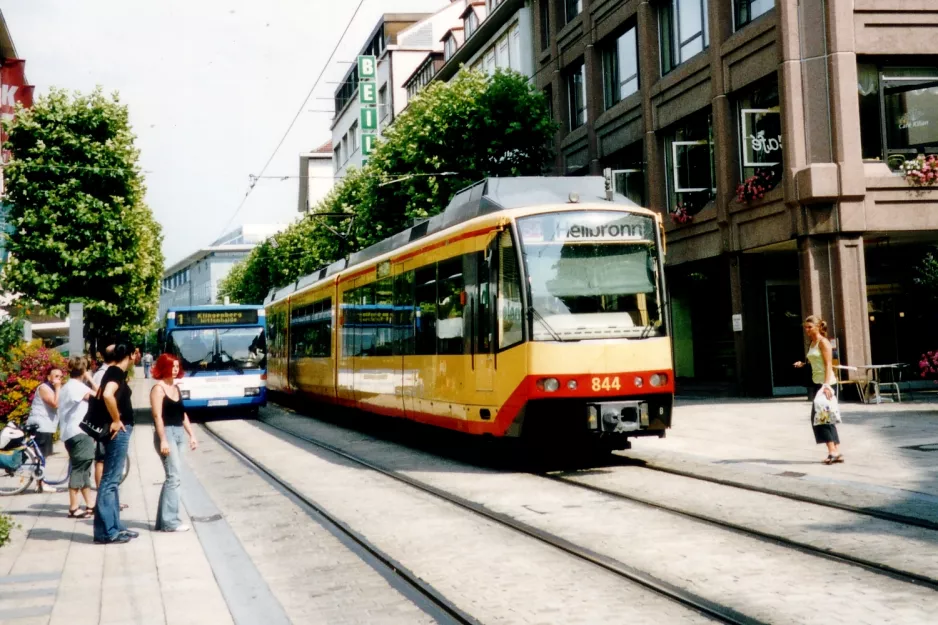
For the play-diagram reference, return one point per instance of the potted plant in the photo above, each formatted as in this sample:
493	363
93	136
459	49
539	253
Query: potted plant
756	186
921	171
680	214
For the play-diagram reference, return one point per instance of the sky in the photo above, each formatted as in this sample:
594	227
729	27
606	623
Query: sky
211	86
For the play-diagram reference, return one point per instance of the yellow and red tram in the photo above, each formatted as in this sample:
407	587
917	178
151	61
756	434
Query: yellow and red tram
528	304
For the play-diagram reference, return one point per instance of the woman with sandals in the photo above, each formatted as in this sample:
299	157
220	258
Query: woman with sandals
820	357
171	426
73	406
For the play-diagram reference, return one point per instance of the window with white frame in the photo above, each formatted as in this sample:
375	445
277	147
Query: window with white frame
748	10
353	134
576	94
684	31
337	157
449	47
514	43
383	109
502	55
628	171
345	153
689	157
488	62
620	68
760	134
470	24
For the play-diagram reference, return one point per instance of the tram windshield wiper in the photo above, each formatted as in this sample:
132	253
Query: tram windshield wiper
546	325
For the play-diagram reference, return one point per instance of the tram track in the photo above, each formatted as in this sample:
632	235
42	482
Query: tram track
710	609
874	513
424	595
835	556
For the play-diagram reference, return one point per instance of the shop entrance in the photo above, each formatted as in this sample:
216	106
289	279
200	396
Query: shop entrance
786	340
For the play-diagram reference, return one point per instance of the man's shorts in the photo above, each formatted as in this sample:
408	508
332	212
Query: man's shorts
99	451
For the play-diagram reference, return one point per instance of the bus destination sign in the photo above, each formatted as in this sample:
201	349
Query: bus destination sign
216	318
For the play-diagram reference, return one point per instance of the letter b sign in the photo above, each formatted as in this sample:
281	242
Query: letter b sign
366	67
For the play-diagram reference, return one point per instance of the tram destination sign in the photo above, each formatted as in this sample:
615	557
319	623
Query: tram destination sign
216	318
588	227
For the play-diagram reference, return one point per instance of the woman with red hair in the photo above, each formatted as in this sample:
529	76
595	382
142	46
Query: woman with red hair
170	421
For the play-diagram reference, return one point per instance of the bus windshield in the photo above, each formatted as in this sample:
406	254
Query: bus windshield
593	275
219	349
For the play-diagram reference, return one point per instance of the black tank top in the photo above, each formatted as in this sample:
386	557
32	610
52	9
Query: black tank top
172	410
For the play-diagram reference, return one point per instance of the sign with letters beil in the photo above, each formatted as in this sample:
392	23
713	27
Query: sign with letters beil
369	119
368	144
367	67
367	93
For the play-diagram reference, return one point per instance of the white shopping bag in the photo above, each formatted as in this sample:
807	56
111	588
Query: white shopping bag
826	410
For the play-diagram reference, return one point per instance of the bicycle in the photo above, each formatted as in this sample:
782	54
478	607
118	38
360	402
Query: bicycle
15	481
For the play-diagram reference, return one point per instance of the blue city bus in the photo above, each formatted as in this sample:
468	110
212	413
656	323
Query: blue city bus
223	351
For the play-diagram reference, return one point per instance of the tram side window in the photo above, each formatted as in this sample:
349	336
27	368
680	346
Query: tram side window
348	330
382	319
451	293
425	307
484	310
510	318
366	333
311	330
404	314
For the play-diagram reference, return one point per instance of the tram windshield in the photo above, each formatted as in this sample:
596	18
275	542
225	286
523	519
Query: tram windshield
593	275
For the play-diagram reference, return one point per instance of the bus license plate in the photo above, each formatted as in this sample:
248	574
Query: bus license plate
212	403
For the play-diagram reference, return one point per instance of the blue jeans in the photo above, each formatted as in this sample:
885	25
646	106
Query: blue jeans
107	509
167	514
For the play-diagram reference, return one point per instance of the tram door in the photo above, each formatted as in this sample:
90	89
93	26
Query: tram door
484	322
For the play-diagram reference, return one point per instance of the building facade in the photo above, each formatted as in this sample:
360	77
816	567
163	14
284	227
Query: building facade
194	280
399	42
315	177
774	133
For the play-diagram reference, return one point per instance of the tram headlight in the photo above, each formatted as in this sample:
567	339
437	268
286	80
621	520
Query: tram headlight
571	384
658	379
550	385
639	382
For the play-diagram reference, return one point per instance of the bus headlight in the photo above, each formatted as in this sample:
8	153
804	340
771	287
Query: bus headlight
548	384
658	379
252	391
183	394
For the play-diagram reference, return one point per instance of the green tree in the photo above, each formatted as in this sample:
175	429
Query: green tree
452	135
80	228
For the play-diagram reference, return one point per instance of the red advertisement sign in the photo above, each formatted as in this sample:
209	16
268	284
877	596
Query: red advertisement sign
13	90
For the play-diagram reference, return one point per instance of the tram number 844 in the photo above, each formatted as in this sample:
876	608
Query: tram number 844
606	384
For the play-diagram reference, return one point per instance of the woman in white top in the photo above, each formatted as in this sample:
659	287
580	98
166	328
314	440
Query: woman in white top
820	357
43	412
73	406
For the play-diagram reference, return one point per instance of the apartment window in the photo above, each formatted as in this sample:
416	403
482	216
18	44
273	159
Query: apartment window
353	133
383	108
576	95
502	55
689	156
684	31
620	68
337	157
449	48
572	8
760	133
545	24
748	10
471	23
491	5
514	37
488	62
628	171
898	112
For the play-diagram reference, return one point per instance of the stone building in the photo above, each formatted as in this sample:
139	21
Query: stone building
817	105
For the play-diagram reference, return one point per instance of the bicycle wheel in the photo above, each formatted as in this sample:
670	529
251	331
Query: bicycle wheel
15	482
126	470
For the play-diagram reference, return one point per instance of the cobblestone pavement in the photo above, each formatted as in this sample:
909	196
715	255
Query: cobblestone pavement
758	578
490	572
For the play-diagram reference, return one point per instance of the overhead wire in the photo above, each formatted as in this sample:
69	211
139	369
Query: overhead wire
295	117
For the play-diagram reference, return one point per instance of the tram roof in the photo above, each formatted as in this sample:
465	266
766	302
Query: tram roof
482	198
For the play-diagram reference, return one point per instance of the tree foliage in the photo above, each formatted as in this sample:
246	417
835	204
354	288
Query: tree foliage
452	135
80	228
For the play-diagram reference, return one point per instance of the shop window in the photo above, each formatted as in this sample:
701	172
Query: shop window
689	154
452	299
572	8
898	112
748	10
576	94
628	172
620	68
760	136
684	31
510	318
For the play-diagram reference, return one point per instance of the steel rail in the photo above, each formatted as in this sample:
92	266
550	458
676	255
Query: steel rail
711	609
426	595
836	556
